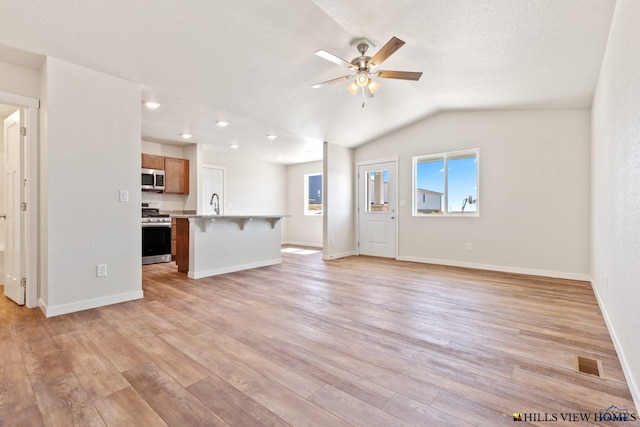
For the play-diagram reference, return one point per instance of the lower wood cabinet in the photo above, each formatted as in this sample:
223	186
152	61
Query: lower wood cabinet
173	239
182	244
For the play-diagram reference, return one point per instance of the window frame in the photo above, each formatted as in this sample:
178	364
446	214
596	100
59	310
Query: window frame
306	195
445	157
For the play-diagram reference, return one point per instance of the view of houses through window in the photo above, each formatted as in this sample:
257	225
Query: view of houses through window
446	183
313	194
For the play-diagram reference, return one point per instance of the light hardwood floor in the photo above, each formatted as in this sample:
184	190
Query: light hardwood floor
356	341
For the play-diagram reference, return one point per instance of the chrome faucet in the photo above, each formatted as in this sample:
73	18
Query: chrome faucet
216	207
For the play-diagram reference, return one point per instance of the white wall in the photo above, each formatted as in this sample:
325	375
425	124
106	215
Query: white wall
615	267
170	202
339	202
252	186
19	80
301	229
534	191
90	150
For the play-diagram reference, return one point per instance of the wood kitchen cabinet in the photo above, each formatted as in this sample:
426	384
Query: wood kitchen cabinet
182	244
176	175
151	161
173	239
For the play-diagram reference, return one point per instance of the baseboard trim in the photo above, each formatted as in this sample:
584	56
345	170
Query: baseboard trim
57	310
633	387
501	268
296	243
338	255
232	268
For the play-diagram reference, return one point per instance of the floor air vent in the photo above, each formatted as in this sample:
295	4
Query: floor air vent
587	366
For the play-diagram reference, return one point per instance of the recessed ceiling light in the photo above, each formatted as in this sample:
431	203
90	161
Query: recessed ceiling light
234	146
152	105
186	135
222	123
272	136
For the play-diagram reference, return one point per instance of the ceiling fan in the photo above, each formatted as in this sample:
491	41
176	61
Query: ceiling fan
364	67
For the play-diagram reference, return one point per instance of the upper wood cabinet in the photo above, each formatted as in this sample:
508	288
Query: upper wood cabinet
151	161
176	175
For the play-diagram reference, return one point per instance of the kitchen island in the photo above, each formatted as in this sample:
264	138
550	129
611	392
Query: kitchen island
208	245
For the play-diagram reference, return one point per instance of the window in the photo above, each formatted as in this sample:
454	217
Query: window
313	194
446	184
377	190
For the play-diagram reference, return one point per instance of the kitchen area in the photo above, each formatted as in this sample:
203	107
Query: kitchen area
207	235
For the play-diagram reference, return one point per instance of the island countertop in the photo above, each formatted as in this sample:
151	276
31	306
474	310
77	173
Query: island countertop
225	216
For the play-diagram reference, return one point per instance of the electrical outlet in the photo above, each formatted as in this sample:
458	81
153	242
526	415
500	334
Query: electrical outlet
333	241
469	246
101	270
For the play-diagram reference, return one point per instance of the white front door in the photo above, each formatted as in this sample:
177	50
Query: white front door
14	142
377	209
212	183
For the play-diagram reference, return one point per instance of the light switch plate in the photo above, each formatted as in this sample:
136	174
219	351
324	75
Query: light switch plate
124	196
101	270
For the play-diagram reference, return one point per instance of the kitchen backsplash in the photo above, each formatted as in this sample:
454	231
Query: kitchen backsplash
164	202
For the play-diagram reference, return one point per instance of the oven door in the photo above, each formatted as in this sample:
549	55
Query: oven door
156	243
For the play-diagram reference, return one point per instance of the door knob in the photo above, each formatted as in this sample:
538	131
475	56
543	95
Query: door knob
3	216
393	217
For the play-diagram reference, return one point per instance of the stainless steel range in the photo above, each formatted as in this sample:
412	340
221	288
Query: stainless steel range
156	236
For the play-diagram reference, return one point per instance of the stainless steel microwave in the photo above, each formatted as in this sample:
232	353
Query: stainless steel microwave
152	180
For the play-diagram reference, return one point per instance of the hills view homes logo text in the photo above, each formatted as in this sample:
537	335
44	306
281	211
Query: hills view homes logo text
612	413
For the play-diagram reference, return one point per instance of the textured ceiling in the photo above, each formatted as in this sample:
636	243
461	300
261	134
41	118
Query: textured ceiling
251	62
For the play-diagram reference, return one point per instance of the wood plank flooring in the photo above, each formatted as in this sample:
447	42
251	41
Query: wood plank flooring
356	341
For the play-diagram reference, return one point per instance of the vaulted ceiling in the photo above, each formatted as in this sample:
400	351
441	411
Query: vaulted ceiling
251	62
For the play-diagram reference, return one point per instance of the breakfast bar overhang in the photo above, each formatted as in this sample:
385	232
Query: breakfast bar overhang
208	245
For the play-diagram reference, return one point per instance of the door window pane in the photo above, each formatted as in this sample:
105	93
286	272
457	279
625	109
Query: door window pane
377	190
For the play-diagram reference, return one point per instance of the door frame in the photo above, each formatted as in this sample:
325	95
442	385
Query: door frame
31	249
359	194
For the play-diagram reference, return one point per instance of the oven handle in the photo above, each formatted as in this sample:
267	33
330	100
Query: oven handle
156	224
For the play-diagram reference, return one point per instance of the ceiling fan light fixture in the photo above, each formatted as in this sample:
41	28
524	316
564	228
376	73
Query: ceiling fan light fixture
353	88
373	86
362	79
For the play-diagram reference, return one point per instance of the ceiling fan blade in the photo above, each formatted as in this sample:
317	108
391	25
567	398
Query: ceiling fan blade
386	51
401	75
328	82
335	59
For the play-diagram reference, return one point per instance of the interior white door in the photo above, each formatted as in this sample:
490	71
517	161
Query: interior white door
212	183
377	209
14	155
